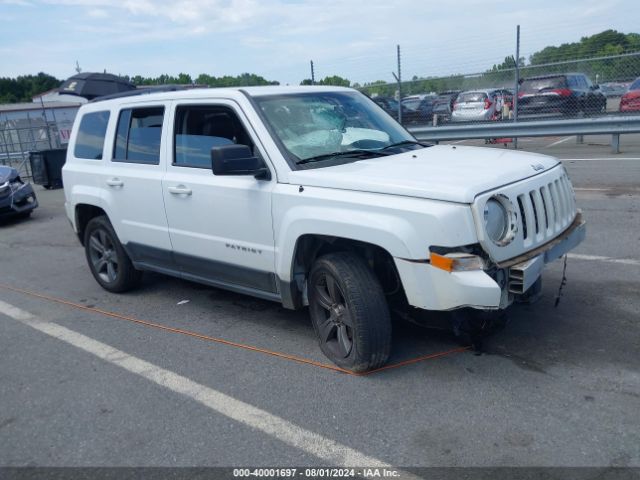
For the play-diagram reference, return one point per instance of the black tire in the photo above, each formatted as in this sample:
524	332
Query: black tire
108	262
349	312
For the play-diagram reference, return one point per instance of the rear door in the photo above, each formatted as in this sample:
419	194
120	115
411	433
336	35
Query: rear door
131	184
220	226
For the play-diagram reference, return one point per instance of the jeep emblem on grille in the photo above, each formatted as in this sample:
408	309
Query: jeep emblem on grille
537	167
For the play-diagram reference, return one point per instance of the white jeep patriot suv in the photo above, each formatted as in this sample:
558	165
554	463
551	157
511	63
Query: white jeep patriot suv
311	196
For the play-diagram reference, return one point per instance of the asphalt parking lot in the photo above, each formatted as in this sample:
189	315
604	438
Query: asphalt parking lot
178	374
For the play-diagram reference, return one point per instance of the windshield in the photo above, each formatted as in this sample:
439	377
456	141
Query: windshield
312	126
538	84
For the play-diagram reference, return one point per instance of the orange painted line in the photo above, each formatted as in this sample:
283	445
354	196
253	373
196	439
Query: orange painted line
222	341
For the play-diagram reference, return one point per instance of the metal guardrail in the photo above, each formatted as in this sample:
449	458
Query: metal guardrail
614	126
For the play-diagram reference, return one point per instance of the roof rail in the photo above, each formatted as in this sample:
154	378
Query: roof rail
147	90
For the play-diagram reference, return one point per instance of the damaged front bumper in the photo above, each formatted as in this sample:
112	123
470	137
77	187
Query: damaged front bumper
527	268
16	201
431	288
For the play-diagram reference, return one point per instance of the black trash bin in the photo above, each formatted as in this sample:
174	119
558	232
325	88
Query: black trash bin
38	168
46	167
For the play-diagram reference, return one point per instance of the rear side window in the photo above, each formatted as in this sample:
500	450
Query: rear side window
472	97
635	85
138	135
536	85
90	138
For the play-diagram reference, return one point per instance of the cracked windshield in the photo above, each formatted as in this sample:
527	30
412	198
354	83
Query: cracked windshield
322	126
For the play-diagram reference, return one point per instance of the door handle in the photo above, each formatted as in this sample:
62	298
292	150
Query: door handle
180	190
115	182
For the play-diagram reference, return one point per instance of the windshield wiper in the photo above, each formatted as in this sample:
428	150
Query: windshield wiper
346	153
405	142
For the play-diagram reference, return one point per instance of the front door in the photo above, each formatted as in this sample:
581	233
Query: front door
220	226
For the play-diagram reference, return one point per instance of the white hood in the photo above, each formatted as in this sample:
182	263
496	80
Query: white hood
442	172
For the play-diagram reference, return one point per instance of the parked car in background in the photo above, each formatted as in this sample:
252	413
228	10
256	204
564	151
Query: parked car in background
477	105
388	104
612	90
630	101
565	94
443	105
418	110
505	97
17	197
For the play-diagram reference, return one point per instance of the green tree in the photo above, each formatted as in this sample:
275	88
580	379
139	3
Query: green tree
23	88
335	81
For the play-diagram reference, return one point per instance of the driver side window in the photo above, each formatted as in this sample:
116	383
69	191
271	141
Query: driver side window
198	128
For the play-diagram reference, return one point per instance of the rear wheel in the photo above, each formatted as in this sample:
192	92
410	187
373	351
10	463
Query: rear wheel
108	262
349	312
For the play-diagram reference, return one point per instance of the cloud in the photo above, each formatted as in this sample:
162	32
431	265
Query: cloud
98	13
277	38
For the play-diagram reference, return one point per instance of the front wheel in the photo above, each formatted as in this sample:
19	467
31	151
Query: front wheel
349	312
109	263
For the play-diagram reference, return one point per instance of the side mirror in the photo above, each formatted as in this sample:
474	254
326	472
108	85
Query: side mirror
595	87
237	160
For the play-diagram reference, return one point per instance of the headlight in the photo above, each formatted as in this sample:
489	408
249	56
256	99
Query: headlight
16	185
499	220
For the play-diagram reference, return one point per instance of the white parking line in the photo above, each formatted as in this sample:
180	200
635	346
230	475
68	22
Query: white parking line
279	428
623	261
598	159
558	142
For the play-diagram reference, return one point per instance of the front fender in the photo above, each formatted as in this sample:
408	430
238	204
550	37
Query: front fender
403	226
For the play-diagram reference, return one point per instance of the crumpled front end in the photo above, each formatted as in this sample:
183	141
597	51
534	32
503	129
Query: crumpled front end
537	223
16	197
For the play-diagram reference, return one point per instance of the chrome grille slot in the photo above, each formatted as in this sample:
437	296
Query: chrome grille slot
536	222
523	216
538	207
551	209
569	193
545	200
564	207
530	218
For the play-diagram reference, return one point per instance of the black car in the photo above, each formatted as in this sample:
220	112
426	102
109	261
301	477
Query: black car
418	110
16	196
443	105
389	105
565	94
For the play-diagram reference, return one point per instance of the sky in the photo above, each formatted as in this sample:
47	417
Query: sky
278	38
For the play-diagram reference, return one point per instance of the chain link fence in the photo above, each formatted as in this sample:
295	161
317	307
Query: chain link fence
29	133
586	87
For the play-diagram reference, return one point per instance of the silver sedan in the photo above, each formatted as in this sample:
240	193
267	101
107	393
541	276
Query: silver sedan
477	105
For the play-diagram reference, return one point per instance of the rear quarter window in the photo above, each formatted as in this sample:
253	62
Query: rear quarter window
537	85
472	97
91	133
